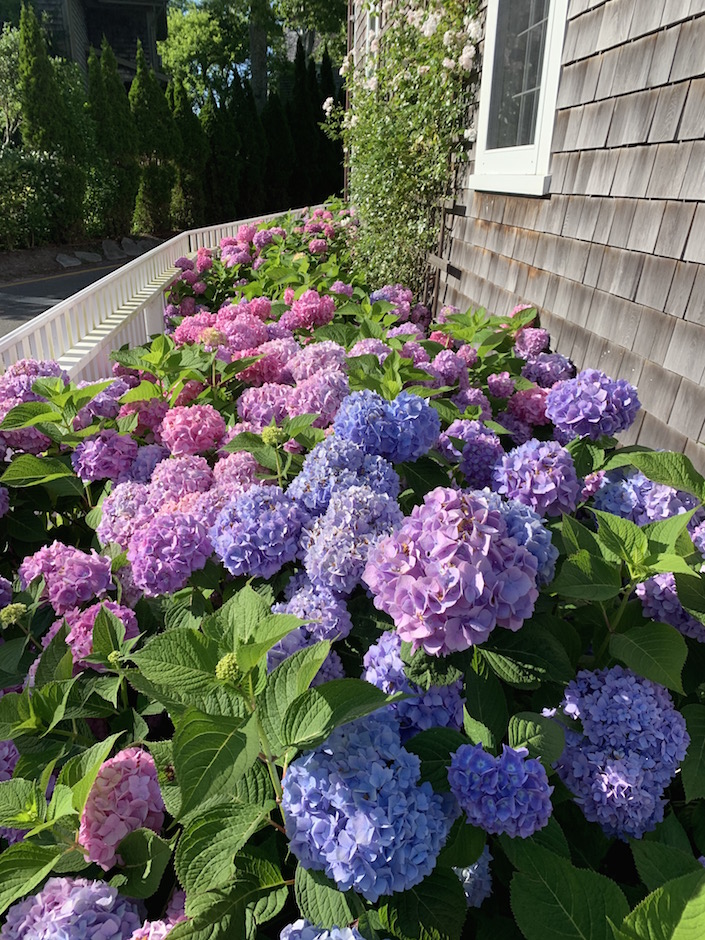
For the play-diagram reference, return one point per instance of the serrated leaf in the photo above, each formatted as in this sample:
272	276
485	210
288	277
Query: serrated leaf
527	658
145	856
22	867
22	804
658	863
690	589
464	845
142	392
205	855
320	901
663	535
210	753
587	456
578	537
435	910
622	537
552	900
28	470
485	701
426	671
269	631
551	838
435	748
587	577
28	414
693	766
655	651
667	467
543	737
675	911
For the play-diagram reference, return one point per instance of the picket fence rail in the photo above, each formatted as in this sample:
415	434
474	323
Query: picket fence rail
126	306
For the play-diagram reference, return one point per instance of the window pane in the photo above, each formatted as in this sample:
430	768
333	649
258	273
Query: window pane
516	79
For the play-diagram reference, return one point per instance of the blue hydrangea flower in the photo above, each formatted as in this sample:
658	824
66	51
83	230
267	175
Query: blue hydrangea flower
477	879
439	707
546	369
354	809
337	464
631	495
631	744
506	794
142	467
336	544
481	452
401	430
592	404
539	475
527	527
305	930
659	600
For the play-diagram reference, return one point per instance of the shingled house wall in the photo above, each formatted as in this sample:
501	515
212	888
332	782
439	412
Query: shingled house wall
614	256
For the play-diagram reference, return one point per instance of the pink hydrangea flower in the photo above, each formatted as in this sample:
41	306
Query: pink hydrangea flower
71	576
529	405
445	339
192	429
275	354
260	307
309	311
79	639
236	470
191	390
259	405
318	246
125	796
150	414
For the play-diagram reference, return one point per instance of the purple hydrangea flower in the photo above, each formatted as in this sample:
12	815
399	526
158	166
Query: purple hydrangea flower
631	744
592	404
305	930
71	576
142	467
527	527
452	573
166	551
316	357
260	405
336	544
629	494
659	600
480	453
125	796
506	794
448	368
5	592
438	707
473	398
396	294
370	347
530	341
477	879
72	907
124	511
337	464
355	810
519	430
106	404
79	639
539	475
105	456
548	368
500	384
321	394
177	476
258	532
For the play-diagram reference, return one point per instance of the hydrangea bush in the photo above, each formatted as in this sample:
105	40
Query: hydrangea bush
324	618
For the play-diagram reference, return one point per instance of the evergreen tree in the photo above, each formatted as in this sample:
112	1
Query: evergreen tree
304	133
222	170
118	124
280	155
44	120
252	152
187	198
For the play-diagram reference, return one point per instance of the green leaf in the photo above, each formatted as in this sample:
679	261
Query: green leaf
313	715
80	772
690	589
693	766
210	755
552	900
22	804
664	534
543	737
270	630
675	911
655	651
665	562
587	456
622	537
485	702
527	658
142	392
29	414
145	856
587	577
464	845
658	863
426	671
53	662
205	856
320	901
422	476
551	838
435	748
435	910
666	467
22	867
28	470
577	537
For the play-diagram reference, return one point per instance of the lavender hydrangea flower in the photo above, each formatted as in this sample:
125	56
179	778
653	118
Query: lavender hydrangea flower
321	394
477	879
79	639
124	511
305	930
316	357
336	544
104	456
72	907
355	810
5	592
506	794
106	404
659	600
451	573
125	796
592	404
500	384
528	528
259	406
71	576
481	451
438	707
539	475
548	368
178	476
166	551
629	494
258	532
401	430
631	744
337	464
530	341
370	347
473	398
142	467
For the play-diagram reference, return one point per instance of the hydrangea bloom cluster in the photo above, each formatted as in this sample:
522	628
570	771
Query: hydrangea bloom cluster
166	551
548	368
528	528
531	341
529	406
305	930
72	907
480	453
142	467
473	398
592	404
124	511
271	367
355	810
178	476
71	576
106	404
310	311
5	592
321	394
259	406
477	879
316	357
398	295
439	707
508	794
150	414
452	573
370	347
258	532
337	464
79	639
500	384
659	600
125	796
539	475
629	494
106	456
192	429
631	744
336	545
400	430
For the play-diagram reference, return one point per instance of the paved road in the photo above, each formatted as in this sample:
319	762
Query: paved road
23	300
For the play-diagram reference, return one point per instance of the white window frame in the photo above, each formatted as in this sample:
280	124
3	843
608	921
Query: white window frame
521	170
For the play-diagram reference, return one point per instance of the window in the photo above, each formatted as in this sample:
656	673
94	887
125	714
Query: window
518	92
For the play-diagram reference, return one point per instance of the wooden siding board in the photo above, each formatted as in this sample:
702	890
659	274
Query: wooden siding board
594	264
611	359
684	354
646	225
605	220
688	59
633	115
571	222
658	389
668	112
608	70
657	434
615	24
688	412
678	300
623	217
655	281
664	53
696	452
634	171
572	131
692	124
647	19
603	173
675	226
654	335
572	167
596	124
571	84
634	65
620	272
588	218
669	171
675	10
694	183
695	246
695	308
588	31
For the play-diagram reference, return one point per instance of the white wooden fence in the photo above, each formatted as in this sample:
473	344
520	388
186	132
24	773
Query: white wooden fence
126	306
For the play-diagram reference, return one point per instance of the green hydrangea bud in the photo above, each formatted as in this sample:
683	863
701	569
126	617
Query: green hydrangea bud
227	670
115	658
12	613
272	435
